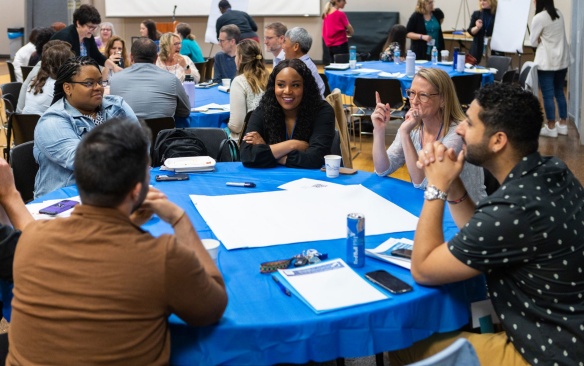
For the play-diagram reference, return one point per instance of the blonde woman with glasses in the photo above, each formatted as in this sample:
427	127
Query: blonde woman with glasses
171	60
434	114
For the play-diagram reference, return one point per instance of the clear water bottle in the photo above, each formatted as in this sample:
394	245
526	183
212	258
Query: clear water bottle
396	55
434	56
353	57
410	64
189	85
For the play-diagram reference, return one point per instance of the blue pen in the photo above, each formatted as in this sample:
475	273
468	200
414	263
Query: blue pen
282	287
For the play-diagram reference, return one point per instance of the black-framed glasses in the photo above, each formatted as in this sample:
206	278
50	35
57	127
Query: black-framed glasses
223	40
91	84
424	97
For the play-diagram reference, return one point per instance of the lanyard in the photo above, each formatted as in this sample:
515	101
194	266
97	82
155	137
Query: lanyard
422	134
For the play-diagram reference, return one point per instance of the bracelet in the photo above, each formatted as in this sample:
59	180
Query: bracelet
421	35
179	218
456	202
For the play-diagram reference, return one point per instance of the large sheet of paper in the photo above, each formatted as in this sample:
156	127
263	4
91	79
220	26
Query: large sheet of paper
331	285
510	25
298	215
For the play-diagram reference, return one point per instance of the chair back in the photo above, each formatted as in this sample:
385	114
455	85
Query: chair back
202	68
389	91
24	168
341	58
523	76
461	352
25	71
11	71
509	76
528	78
335	100
327	88
156	125
501	63
209	70
23	126
245	122
11	91
466	86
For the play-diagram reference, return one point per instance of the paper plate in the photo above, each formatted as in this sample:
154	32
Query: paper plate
445	63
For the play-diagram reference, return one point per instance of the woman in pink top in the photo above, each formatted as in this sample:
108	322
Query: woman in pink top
336	28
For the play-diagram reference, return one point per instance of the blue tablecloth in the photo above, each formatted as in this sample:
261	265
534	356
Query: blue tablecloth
198	119
263	326
345	80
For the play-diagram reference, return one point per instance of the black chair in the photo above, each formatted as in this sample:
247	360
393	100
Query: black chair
509	76
11	71
327	88
245	122
501	63
25	71
202	68
11	91
22	127
466	86
216	142
341	58
156	125
24	168
209	70
523	76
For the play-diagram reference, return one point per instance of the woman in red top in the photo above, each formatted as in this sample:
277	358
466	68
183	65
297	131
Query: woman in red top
336	28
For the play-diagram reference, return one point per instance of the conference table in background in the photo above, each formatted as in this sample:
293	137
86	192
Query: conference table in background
261	325
345	79
204	96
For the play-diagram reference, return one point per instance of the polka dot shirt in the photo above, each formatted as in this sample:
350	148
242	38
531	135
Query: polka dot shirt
528	238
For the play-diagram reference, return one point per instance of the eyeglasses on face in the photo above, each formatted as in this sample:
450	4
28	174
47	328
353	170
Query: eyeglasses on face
91	27
91	84
424	97
223	40
176	43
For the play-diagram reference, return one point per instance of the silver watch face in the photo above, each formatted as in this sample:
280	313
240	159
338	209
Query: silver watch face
433	193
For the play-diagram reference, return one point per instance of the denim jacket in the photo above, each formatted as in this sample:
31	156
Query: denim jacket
56	136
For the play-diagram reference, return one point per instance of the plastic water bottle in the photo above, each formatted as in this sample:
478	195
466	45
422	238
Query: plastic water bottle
396	56
460	62
455	57
189	85
410	64
353	57
434	56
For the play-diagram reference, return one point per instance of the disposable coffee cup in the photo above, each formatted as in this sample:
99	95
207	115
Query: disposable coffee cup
332	163
226	82
445	54
212	247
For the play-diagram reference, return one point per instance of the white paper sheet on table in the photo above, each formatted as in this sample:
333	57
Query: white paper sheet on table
391	74
331	285
212	108
298	215
304	183
365	71
34	208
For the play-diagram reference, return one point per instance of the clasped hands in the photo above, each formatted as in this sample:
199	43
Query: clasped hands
441	165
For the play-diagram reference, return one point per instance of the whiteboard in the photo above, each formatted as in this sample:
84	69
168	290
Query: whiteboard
510	25
184	8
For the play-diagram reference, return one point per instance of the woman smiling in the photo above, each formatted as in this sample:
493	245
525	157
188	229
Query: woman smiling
78	106
292	125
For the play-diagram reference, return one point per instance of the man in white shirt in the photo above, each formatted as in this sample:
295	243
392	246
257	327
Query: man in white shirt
274	34
297	43
22	56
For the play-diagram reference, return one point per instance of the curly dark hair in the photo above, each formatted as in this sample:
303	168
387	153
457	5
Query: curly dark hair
514	111
307	110
86	14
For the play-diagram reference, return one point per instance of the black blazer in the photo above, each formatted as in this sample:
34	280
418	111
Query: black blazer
416	25
478	39
69	34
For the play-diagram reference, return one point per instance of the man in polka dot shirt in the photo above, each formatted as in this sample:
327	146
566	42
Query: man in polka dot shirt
527	237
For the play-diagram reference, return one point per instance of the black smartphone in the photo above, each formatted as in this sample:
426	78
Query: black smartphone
58	207
404	253
388	282
168	178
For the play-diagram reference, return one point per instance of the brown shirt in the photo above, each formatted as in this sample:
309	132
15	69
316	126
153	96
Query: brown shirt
94	288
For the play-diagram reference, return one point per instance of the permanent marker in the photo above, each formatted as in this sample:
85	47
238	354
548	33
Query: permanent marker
241	184
282	287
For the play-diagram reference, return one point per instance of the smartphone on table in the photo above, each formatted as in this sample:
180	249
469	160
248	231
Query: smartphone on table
388	282
403	253
58	207
169	178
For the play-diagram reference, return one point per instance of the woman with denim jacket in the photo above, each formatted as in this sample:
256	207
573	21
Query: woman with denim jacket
78	106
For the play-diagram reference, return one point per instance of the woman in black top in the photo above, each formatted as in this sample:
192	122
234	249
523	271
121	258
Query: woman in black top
424	29
481	26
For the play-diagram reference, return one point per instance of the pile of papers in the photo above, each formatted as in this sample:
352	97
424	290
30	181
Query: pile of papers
383	251
337	66
212	108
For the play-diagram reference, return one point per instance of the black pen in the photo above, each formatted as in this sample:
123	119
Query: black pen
241	184
282	287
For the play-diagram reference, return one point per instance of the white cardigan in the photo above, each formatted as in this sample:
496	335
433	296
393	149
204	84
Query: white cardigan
553	52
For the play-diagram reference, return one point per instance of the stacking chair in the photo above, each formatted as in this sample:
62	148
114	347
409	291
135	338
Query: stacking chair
11	71
209	70
24	168
509	76
335	100
202	68
216	142
22	127
466	86
156	125
501	63
327	88
11	91
341	58
25	71
461	352
528	78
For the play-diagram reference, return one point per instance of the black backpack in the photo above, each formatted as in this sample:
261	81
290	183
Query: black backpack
176	143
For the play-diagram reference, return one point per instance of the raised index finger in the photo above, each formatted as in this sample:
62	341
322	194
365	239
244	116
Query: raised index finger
377	98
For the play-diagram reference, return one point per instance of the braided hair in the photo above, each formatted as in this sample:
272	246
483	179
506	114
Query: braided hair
307	110
70	68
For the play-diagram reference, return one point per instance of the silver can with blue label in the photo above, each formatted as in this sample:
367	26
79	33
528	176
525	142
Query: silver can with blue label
356	240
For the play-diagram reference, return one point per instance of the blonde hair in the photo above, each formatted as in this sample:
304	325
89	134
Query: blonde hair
166	42
328	7
493	4
421	6
251	65
452	111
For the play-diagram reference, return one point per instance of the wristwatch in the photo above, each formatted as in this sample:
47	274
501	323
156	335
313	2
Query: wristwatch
433	193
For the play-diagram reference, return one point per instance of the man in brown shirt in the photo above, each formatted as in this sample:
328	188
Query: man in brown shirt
94	288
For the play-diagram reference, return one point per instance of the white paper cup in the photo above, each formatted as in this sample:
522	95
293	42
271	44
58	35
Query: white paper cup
212	247
332	163
445	54
226	82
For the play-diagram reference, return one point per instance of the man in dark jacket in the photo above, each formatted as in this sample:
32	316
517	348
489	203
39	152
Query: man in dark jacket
241	19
